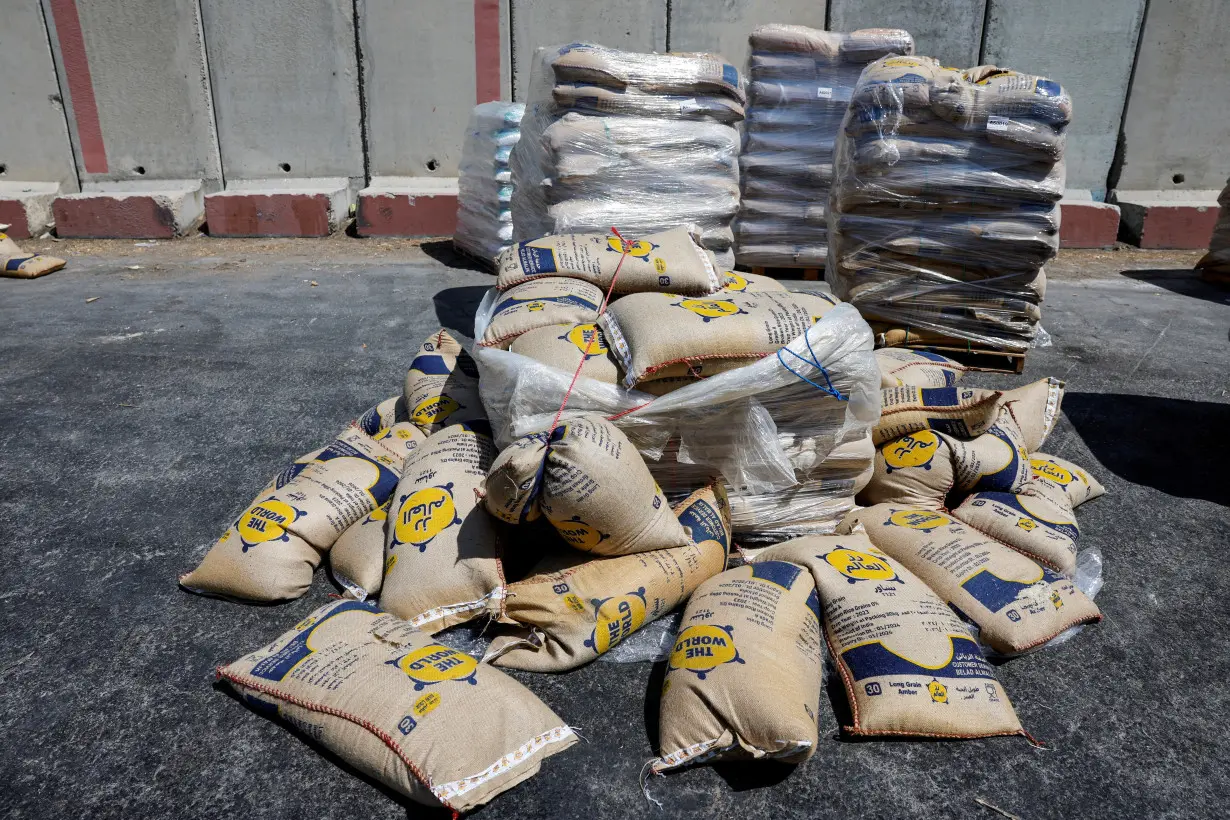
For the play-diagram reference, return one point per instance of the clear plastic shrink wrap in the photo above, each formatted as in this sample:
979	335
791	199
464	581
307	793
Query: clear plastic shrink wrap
800	83
944	205
641	142
484	200
792	455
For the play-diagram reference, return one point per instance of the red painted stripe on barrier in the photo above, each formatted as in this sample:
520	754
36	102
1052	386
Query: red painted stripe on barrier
486	50
80	85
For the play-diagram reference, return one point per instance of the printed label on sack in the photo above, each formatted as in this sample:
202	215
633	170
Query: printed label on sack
918	520
586	339
299	648
424	514
434	410
860	566
912	450
434	664
536	260
703	648
579	534
617	618
995	122
710	309
1051	471
875	660
824	93
266	521
639	249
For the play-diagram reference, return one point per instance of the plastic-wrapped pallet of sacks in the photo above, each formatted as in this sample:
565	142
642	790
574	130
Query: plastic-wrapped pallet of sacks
787	432
484	199
944	206
642	142
1215	265
800	83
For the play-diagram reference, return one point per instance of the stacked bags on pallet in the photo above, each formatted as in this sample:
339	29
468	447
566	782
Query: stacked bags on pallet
801	81
772	390
638	141
484	193
1215	265
944	206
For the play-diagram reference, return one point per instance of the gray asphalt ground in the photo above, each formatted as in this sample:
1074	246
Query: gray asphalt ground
133	427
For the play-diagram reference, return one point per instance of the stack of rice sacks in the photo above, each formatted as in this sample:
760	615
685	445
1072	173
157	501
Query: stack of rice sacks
944	205
484	212
642	142
801	83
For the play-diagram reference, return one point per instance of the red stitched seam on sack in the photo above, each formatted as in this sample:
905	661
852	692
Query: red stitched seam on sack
245	681
915	408
655	368
1084	619
845	676
949	735
904	365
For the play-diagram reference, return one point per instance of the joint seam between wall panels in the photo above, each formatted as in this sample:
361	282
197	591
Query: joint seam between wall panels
207	82
78	160
361	80
1116	160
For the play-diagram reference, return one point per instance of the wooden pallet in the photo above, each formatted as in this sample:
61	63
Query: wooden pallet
975	356
780	272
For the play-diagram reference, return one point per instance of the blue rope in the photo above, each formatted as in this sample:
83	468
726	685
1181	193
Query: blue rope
814	361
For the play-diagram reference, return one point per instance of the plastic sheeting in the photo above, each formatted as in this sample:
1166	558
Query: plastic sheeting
944	202
485	187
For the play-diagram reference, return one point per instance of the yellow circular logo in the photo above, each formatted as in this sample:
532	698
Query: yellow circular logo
709	309
435	664
919	520
579	534
938	691
913	450
435	410
265	521
734	281
703	648
1050	470
617	618
860	566
640	248
659	264
426	704
587	337
424	514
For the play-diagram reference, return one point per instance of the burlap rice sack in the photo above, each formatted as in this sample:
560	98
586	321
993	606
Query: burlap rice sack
383	415
908	663
573	608
674	73
356	560
916	470
555	300
669	261
591	483
17	264
1032	525
749	282
651	332
1058	479
441	562
1216	263
743	678
1017	604
995	461
427	721
917	368
272	549
442	385
966	412
563	347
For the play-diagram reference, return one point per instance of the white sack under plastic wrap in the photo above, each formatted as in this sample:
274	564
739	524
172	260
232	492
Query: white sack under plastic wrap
484	199
640	142
944	207
800	82
761	428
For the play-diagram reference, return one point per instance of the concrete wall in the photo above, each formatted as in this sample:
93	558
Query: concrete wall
1089	49
136	88
949	30
637	25
286	88
1178	113
722	26
34	142
423	71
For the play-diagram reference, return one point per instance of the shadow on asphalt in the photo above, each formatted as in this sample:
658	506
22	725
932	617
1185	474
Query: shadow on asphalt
455	307
1182	281
1173	445
443	251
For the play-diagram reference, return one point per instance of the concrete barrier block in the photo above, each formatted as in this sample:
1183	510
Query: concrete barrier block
949	30
1168	219
722	28
286	88
406	206
130	210
279	207
1085	223
26	207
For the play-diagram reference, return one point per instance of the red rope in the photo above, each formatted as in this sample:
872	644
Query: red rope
626	248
